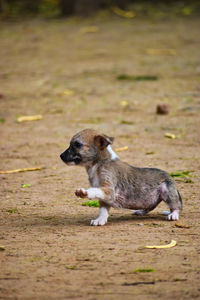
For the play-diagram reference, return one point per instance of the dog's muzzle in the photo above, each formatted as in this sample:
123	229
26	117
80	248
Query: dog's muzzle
69	157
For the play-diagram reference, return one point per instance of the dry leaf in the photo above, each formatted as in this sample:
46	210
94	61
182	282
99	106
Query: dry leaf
170	245
125	122
68	92
29	118
89	29
170	135
161	51
121	149
21	170
123	13
150	152
181	225
124	103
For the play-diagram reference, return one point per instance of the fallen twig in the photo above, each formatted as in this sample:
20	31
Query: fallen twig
21	170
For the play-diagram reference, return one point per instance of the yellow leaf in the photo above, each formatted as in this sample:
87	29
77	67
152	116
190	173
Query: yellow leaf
167	51
170	245
121	149
181	225
29	118
89	29
68	92
170	135
124	103
123	13
21	170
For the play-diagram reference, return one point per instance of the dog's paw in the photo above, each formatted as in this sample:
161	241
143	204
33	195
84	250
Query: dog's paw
98	222
82	193
174	216
139	212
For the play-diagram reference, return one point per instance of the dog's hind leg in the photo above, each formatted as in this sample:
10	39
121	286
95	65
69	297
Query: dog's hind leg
172	198
141	212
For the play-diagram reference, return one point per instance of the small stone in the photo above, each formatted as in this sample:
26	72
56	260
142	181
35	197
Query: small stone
162	109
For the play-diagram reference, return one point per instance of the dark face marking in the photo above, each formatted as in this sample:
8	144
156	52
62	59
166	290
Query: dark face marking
72	155
78	145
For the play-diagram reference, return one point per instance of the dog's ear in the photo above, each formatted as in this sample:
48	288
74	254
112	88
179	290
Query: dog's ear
102	141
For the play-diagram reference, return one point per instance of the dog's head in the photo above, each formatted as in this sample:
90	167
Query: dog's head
86	147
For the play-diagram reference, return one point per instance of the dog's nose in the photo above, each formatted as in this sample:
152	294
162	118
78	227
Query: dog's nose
62	156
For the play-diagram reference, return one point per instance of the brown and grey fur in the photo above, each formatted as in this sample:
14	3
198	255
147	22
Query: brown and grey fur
116	183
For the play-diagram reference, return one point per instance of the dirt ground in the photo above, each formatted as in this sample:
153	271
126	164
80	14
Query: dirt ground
68	75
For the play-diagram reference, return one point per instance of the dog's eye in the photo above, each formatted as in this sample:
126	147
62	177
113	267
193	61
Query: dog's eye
78	145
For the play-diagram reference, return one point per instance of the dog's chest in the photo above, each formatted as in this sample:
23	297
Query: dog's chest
93	176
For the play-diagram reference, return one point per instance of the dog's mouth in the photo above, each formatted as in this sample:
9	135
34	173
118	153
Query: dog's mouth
69	160
75	161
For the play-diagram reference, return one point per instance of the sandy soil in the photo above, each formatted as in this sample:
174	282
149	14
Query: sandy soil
48	249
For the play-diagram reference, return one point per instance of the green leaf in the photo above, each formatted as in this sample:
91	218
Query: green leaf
70	267
91	203
180	174
10	211
143	270
26	185
137	78
127	122
150	152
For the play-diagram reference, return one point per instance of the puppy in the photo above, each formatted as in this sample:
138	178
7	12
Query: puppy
117	184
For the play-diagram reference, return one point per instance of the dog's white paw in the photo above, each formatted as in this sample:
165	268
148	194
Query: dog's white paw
139	212
98	222
173	216
102	218
82	193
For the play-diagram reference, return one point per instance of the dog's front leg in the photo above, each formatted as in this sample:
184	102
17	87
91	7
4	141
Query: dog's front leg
91	193
103	215
102	195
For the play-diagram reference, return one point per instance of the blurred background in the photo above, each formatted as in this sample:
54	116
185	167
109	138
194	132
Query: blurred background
55	8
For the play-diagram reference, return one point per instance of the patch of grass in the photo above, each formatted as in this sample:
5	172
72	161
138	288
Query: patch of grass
91	203
137	78
143	270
